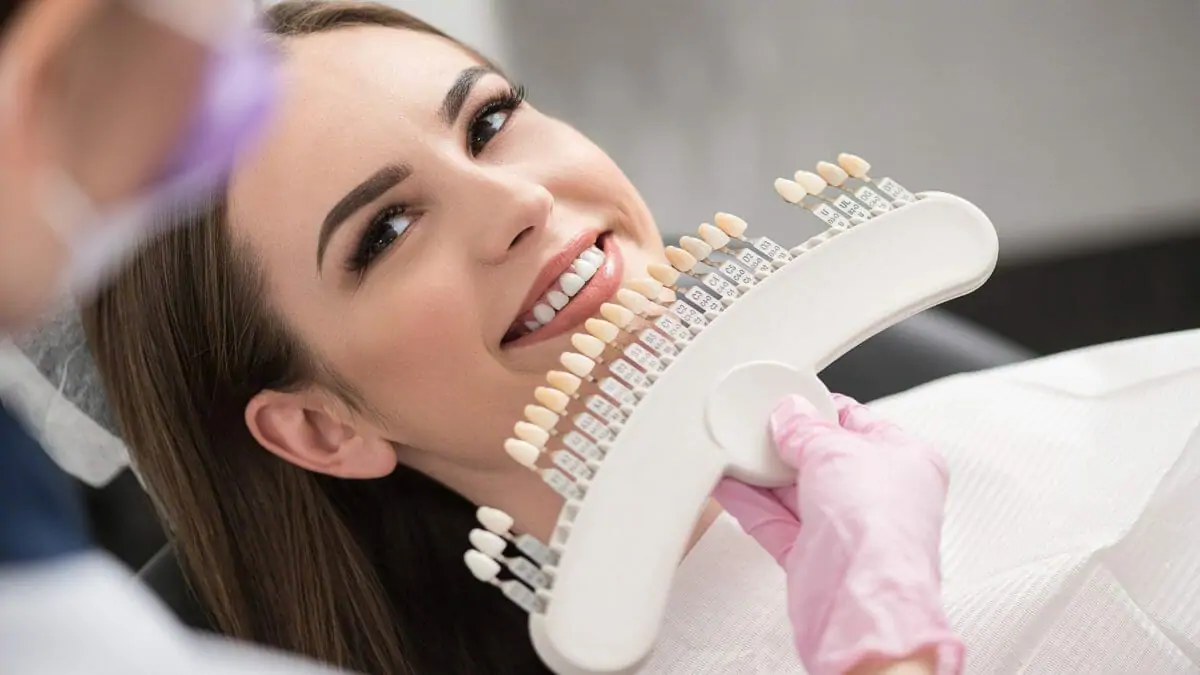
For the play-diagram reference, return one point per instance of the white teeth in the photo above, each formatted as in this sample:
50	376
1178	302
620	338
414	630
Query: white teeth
543	313
593	255
571	283
585	269
532	325
557	299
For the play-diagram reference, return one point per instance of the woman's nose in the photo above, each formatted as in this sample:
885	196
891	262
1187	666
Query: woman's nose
508	214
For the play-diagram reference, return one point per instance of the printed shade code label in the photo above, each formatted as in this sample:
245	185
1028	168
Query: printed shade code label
872	198
831	217
689	314
720	284
617	391
580	445
605	409
704	300
593	427
657	341
643	358
632	376
739	275
673	327
771	249
754	261
894	190
851	208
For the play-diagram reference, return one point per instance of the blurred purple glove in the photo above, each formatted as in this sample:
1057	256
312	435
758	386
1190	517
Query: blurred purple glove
858	535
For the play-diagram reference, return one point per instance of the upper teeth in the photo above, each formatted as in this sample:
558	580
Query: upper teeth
569	284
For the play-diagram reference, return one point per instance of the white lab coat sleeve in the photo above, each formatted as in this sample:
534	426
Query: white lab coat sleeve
88	614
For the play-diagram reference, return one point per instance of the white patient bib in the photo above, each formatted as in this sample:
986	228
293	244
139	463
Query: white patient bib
1072	538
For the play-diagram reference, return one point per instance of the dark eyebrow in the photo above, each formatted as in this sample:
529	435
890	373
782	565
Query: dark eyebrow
366	192
457	96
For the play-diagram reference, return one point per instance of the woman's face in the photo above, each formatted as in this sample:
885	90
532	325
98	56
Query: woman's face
410	213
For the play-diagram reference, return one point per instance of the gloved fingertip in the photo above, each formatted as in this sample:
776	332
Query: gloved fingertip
788	409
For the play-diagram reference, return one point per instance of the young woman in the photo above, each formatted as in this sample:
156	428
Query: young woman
316	371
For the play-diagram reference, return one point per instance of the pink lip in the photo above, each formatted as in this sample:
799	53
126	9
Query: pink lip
597	291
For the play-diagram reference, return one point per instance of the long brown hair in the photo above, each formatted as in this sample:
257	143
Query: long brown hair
364	575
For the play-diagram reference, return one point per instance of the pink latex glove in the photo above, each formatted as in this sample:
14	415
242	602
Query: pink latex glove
858	535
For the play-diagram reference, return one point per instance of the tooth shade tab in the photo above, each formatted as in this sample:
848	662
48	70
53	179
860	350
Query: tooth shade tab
552	399
619	316
695	247
494	519
790	190
713	236
636	302
525	453
811	182
587	345
531	434
487	543
680	259
649	287
832	173
542	417
483	567
603	330
663	274
577	364
730	224
854	165
564	382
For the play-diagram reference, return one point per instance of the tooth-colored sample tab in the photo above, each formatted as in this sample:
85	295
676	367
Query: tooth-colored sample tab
577	364
832	173
531	433
603	330
541	416
487	543
680	259
494	519
570	283
543	313
811	182
636	302
695	247
790	190
730	224
616	314
564	382
483	567
552	399
854	165
523	452
713	236
651	288
663	274
587	345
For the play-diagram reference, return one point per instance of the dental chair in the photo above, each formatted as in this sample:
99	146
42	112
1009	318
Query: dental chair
927	347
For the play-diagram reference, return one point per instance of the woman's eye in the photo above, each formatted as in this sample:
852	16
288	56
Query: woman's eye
486	127
387	228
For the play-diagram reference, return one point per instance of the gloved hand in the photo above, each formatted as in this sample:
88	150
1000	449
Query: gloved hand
858	535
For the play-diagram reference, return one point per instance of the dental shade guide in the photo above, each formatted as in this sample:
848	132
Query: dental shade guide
671	388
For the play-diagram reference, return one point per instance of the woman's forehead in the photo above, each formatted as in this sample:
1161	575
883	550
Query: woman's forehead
354	100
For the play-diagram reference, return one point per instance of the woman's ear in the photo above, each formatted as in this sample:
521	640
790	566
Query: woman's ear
303	429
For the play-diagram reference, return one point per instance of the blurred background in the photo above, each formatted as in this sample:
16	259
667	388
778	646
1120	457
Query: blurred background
1074	124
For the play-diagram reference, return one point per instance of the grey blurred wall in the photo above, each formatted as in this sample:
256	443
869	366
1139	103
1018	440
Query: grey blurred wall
1073	123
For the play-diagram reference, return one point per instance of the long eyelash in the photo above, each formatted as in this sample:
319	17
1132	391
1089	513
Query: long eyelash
361	259
507	101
